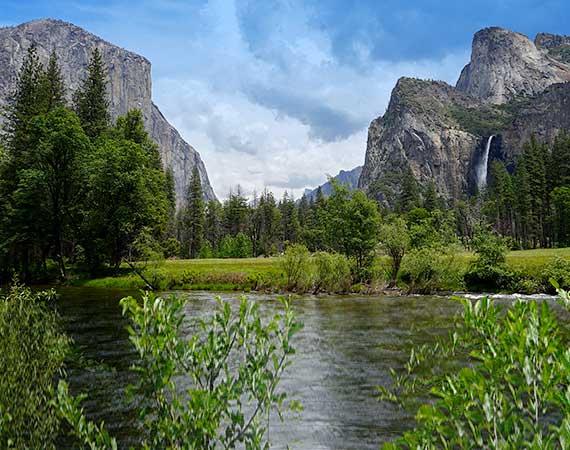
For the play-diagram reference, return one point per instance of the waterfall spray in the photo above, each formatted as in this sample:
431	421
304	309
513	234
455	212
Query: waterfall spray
483	165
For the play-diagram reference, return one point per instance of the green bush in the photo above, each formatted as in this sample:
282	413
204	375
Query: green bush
426	270
489	273
559	271
331	273
235	247
295	265
490	279
508	387
33	350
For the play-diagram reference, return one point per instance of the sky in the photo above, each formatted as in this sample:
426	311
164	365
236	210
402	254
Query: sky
280	93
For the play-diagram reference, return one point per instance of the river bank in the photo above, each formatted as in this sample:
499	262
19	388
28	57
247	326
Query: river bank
267	275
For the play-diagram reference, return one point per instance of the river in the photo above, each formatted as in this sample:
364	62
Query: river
345	350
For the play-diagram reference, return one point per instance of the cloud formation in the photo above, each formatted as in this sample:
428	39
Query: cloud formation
279	93
276	108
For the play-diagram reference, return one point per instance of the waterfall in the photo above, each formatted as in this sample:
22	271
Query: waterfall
483	166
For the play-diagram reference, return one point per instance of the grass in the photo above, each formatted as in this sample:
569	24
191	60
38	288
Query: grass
265	273
199	274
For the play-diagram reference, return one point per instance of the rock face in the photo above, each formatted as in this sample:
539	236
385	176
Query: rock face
510	89
129	85
348	178
505	64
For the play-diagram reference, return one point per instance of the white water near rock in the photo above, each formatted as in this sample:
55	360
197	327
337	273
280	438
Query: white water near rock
483	166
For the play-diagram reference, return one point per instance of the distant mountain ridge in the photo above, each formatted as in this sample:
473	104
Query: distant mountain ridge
129	86
348	178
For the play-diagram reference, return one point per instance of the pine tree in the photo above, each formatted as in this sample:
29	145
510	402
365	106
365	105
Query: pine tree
534	156
52	86
409	193
131	127
194	216
21	235
24	104
235	213
90	101
289	220
559	173
502	194
213	227
431	199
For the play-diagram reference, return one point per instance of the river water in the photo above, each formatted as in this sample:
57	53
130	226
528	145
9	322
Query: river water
345	350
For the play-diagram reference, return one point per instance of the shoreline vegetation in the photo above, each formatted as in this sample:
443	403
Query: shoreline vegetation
269	275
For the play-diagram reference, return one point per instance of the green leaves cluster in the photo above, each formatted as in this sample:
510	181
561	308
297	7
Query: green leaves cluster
509	388
32	356
235	361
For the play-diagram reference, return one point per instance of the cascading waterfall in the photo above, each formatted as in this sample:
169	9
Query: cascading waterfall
483	165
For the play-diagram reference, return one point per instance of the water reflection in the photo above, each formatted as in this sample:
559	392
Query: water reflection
345	350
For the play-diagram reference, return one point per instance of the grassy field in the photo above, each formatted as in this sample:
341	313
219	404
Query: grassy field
265	273
199	274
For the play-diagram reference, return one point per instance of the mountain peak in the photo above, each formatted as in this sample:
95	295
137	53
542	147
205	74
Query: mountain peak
505	64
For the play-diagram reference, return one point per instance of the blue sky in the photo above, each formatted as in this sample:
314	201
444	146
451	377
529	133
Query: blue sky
279	93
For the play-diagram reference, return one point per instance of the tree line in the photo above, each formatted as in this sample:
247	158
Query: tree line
531	205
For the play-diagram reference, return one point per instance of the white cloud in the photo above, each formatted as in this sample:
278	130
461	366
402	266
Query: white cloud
284	113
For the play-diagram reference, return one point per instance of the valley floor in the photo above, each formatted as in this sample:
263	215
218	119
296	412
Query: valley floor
249	274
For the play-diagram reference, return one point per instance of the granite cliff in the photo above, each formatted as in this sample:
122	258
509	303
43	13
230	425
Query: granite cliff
129	85
511	88
348	178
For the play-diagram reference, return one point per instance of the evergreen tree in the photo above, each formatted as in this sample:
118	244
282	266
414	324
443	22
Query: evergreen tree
194	215
91	101
431	198
289	220
131	127
560	197
534	160
502	195
213	226
523	203
22	235
559	173
409	192
24	104
52	86
270	223
235	213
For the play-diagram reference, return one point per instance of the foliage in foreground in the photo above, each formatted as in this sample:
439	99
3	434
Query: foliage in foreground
214	389
32	353
510	390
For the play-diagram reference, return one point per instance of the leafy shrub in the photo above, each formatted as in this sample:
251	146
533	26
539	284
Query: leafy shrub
559	271
33	350
295	265
235	362
235	247
426	270
171	247
490	278
491	250
331	273
507	389
489	273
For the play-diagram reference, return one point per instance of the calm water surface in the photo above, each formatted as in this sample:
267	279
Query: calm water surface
345	351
